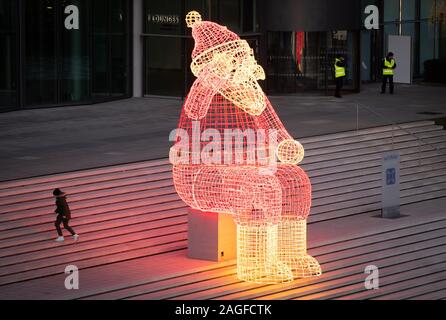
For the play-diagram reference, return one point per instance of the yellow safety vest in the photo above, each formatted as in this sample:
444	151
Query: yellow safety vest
388	67
339	71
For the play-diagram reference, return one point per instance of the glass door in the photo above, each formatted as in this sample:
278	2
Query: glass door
40	65
110	49
74	61
343	43
8	60
75	51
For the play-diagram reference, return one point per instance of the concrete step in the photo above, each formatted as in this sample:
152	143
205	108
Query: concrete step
107	229
413	288
352	207
370	175
165	285
341	179
95	190
407	161
427	136
356	192
175	284
424	152
439	294
25	201
152	174
147	249
95	220
438	142
48	182
89	200
132	211
351	271
91	242
82	173
327	200
356	138
348	134
331	279
335	273
111	251
390	282
46	215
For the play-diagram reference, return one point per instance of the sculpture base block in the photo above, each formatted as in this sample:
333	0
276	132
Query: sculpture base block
391	212
211	236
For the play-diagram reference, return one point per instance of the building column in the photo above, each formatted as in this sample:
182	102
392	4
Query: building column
138	72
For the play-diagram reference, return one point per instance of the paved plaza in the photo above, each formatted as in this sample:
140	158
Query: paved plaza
43	141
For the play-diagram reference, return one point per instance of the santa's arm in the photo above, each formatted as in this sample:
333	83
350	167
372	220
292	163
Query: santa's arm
288	151
205	87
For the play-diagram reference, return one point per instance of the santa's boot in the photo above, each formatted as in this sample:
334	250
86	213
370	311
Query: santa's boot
257	259
292	248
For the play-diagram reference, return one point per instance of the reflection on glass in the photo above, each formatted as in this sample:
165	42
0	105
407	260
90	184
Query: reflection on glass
408	9
40	52
427	43
304	60
110	58
8	94
164	68
74	74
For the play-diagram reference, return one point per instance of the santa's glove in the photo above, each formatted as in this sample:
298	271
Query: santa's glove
290	152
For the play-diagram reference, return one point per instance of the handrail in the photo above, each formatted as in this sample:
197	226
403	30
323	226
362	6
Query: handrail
391	122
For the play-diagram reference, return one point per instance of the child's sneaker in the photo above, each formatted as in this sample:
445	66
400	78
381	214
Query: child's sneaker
60	239
75	237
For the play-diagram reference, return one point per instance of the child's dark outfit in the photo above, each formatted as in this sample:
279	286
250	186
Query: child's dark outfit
63	215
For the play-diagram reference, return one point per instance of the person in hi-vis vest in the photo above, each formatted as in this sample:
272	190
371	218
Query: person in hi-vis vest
339	68
388	67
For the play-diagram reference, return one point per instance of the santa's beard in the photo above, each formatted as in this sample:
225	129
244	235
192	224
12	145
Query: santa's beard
247	95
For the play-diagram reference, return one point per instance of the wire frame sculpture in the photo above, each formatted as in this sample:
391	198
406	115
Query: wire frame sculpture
257	178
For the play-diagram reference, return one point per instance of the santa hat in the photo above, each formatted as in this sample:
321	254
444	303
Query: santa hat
210	38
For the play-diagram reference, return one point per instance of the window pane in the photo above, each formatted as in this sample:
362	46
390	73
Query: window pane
427	8
391	10
100	21
427	43
110	59
118	65
74	75
408	9
229	14
389	29
164	73
7	15
100	65
40	52
164	17
118	15
8	97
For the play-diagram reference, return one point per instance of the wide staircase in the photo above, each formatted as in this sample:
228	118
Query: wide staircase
131	211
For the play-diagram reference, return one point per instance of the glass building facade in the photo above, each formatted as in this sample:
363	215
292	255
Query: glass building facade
423	20
300	61
67	52
168	42
8	55
58	52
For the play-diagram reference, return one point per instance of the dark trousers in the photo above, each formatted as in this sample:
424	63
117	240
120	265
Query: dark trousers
339	85
384	85
61	219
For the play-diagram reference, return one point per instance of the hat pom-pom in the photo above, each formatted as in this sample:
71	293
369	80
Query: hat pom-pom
192	18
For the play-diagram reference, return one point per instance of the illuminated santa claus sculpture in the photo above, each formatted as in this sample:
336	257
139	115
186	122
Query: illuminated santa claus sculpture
232	154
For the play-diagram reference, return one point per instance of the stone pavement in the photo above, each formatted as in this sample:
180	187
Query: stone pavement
44	141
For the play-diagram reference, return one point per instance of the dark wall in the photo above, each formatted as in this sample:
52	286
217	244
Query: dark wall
311	15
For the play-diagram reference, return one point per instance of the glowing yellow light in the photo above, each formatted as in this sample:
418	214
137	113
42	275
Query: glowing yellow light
290	151
270	210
